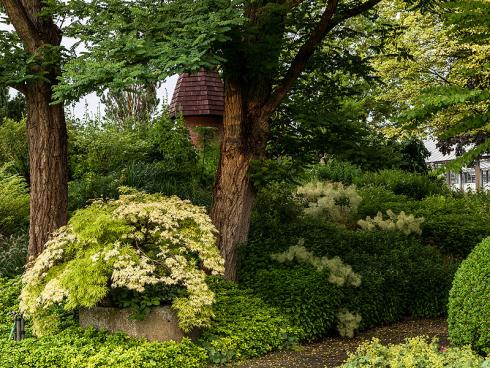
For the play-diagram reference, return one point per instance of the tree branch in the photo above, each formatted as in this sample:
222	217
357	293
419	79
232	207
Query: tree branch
24	26
326	24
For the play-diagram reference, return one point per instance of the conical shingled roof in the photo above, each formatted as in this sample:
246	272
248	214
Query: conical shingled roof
198	94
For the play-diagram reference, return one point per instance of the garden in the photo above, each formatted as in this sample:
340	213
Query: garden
301	213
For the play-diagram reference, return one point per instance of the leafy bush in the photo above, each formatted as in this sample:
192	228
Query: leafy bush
414	353
13	146
142	245
14	203
244	326
380	199
303	294
13	254
469	301
400	276
338	171
412	185
456	235
454	223
154	157
9	303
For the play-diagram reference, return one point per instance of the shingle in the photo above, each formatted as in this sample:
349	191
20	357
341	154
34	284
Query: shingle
201	93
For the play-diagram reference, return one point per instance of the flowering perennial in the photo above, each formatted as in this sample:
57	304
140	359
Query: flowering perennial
407	224
132	243
340	274
333	200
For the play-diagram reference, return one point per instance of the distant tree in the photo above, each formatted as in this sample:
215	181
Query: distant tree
442	86
11	107
135	104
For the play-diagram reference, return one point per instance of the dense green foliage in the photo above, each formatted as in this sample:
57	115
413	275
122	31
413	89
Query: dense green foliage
156	157
469	303
455	223
400	276
412	185
13	146
13	254
11	107
78	348
243	327
14	203
414	353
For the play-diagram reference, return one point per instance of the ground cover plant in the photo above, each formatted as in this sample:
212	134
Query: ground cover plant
243	327
414	353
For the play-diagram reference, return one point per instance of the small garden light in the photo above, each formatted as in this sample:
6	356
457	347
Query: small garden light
17	332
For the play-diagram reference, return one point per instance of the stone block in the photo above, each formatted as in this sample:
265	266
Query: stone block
161	324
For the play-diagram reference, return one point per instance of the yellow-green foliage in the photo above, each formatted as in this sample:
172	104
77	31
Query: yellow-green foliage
407	224
14	202
131	243
348	323
333	200
340	274
414	353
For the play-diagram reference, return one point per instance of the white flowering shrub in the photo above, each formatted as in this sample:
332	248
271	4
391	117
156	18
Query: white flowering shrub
407	224
348	323
333	200
340	273
136	244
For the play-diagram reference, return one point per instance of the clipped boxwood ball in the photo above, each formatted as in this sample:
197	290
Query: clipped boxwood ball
469	301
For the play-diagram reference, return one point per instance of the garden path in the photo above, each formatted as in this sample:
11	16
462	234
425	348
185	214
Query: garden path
332	351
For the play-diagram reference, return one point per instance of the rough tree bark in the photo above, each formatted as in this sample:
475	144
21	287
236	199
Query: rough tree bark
47	140
47	137
243	140
248	107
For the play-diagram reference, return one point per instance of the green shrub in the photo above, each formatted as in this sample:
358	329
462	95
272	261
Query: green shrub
412	185
303	294
338	171
244	326
379	199
414	353
469	301
13	254
14	203
13	146
157	157
455	234
400	276
9	302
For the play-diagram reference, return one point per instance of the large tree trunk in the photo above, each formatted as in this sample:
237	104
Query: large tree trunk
243	140
47	140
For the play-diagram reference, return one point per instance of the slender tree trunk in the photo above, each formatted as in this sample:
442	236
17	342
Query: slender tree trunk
234	196
47	140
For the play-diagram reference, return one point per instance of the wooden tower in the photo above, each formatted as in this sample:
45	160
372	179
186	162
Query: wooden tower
199	97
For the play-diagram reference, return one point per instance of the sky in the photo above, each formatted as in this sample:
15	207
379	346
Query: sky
92	105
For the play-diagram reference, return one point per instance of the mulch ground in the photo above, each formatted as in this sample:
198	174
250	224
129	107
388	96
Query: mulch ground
332	351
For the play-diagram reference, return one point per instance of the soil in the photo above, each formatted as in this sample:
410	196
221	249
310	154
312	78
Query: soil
332	351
